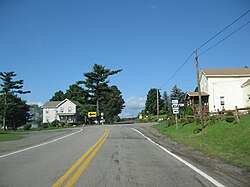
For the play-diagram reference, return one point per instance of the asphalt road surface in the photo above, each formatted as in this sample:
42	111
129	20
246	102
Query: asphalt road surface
97	156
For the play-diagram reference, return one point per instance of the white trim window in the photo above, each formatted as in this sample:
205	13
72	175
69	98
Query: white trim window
222	101
61	109
69	109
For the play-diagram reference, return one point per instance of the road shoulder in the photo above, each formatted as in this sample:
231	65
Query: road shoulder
230	174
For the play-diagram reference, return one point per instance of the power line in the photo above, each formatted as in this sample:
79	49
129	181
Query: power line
224	38
208	42
178	70
223	29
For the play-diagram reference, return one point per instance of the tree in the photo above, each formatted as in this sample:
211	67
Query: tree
166	103
77	93
113	104
58	96
97	84
177	93
151	102
9	89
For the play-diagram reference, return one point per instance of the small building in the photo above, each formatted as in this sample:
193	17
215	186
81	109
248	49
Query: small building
192	101
227	87
65	110
246	93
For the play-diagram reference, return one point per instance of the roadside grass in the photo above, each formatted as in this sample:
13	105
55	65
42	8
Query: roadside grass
10	136
227	141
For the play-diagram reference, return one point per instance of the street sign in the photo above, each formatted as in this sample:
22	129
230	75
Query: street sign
92	114
176	111
175	106
174	101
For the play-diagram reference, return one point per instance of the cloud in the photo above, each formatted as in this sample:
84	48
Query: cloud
133	106
34	103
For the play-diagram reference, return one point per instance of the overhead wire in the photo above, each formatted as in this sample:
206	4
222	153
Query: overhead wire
211	46
224	39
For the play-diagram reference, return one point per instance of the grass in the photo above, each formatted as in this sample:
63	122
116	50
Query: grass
227	141
10	136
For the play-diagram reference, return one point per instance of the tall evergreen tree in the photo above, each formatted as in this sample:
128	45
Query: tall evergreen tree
97	84
77	93
113	104
177	93
9	89
166	102
151	102
58	96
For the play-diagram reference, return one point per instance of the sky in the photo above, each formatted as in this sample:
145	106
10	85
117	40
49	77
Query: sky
50	44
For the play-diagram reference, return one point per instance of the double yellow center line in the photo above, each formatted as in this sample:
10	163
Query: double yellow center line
93	150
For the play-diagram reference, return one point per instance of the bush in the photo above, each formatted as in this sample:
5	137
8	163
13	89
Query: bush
54	123
45	125
197	121
230	117
27	127
189	111
212	120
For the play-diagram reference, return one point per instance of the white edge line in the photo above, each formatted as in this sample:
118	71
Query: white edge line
39	145
212	180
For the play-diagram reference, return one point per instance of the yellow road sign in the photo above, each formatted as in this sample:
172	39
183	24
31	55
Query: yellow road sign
92	114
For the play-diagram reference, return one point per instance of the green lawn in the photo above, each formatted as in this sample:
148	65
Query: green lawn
10	136
228	141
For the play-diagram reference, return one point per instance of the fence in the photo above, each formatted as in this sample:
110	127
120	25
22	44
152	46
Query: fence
221	114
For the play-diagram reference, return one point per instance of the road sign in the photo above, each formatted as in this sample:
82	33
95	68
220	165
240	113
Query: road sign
92	114
176	111
175	106
174	101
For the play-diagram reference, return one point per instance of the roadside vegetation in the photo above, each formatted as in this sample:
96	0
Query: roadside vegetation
10	136
223	139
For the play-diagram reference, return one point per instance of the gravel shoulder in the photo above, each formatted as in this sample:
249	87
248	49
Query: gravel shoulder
233	175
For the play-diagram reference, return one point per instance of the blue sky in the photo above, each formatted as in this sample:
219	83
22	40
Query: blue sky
52	43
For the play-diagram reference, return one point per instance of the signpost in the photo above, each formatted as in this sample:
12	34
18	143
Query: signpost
175	108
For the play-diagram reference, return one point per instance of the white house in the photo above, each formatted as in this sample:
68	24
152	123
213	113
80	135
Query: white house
65	110
227	87
246	93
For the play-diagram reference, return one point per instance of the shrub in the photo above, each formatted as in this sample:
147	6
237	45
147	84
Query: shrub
45	125
54	123
197	121
27	127
230	117
189	111
212	120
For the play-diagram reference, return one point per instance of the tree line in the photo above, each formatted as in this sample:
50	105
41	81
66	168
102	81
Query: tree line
164	100
95	94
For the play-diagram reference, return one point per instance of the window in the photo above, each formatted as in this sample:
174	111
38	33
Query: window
222	100
248	97
61	109
47	111
69	109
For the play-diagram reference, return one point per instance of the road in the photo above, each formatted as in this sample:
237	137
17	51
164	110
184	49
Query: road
120	157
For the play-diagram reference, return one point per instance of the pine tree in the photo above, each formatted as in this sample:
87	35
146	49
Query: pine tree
9	89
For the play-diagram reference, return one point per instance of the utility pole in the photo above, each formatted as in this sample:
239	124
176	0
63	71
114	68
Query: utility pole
199	89
157	101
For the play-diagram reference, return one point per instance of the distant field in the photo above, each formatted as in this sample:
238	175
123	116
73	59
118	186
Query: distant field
227	141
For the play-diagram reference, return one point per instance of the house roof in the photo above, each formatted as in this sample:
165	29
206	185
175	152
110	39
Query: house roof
246	83
51	104
55	104
196	94
226	71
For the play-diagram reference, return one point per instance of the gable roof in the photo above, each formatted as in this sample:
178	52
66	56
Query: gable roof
55	104
51	104
246	83
226	71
